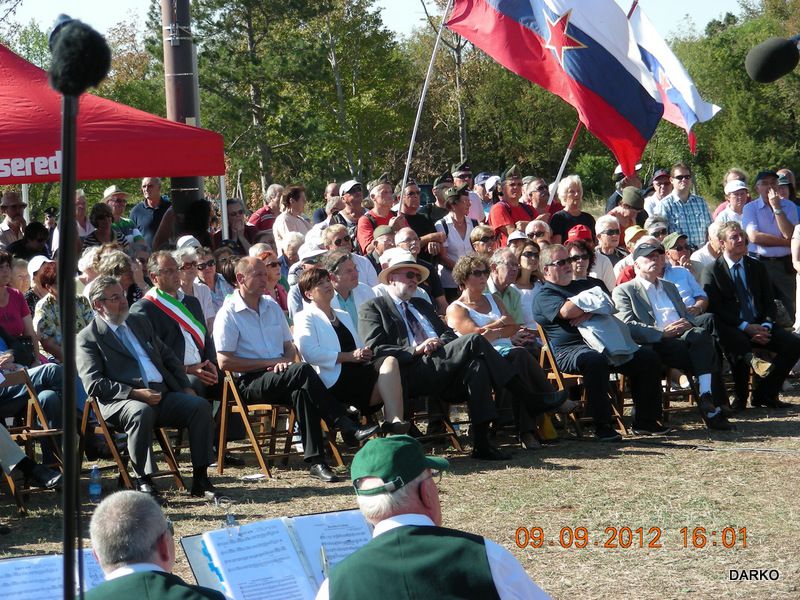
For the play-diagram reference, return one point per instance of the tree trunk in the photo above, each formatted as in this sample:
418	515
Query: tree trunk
264	154
337	78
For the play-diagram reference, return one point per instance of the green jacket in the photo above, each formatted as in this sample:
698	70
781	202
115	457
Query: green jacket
151	585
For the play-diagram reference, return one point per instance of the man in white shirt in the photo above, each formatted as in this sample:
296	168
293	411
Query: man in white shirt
397	490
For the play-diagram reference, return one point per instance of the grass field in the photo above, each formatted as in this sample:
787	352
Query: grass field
747	479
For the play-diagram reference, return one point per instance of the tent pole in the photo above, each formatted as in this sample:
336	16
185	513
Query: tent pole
26	194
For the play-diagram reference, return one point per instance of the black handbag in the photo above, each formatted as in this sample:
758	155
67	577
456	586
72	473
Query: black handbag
22	347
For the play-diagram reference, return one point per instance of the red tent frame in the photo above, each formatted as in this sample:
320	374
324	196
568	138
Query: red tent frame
114	141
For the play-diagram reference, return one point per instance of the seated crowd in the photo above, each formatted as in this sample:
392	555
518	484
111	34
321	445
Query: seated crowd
381	303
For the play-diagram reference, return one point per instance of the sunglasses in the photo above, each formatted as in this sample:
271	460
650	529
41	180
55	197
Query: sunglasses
480	273
187	266
578	257
486	240
541	188
559	263
413	275
682	177
342	240
205	265
681	248
273	263
610	232
536	234
530	254
658	232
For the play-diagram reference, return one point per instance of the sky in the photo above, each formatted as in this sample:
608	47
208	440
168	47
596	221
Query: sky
669	16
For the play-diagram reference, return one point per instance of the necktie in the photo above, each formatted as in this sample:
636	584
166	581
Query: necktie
122	334
414	324
745	301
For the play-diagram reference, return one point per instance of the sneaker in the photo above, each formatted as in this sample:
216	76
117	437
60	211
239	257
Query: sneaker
654	428
605	433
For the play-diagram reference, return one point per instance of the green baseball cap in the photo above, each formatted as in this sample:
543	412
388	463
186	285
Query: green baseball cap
672	239
396	460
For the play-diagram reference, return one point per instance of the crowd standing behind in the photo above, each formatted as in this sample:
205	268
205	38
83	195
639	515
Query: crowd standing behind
384	300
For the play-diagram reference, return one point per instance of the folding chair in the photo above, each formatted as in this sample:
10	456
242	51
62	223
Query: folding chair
416	416
689	395
107	433
32	428
265	435
563	380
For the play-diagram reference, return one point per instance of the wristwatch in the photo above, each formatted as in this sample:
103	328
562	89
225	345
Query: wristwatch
778	211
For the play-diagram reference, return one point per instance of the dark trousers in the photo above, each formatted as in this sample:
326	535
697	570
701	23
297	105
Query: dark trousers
736	344
643	371
301	388
176	409
695	352
784	281
466	367
526	387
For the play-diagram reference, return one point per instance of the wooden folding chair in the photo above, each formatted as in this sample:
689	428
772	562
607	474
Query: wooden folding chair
562	380
102	429
32	429
264	437
418	416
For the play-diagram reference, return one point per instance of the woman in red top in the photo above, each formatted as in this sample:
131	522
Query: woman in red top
15	316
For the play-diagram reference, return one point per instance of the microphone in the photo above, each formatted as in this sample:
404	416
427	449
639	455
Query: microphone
81	57
772	59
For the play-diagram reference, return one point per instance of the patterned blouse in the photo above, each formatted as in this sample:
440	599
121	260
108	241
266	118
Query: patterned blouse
47	322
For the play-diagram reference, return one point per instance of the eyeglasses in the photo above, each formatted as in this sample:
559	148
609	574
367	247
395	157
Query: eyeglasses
185	266
560	263
541	188
486	240
610	232
170	527
342	240
273	263
480	273
575	258
530	254
206	265
658	232
413	275
509	266
412	193
681	248
682	177
536	234
114	298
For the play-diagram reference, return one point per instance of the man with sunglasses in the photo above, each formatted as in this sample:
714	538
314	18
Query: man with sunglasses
685	212
537	194
560	317
430	240
135	545
661	187
411	555
241	234
433	360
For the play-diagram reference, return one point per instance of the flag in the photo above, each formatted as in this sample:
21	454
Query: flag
683	105
583	52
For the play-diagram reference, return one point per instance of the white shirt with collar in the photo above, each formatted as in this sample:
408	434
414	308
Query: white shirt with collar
510	579
663	308
248	333
191	353
133	568
151	372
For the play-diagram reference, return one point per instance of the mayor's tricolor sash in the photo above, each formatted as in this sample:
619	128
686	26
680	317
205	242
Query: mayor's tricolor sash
180	314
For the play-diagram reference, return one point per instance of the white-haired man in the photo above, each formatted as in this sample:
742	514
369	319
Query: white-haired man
135	545
709	252
539	231
411	555
265	216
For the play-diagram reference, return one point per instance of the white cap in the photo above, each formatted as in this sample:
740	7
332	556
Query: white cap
618	170
491	182
348	185
188	241
734	185
307	251
517	235
36	263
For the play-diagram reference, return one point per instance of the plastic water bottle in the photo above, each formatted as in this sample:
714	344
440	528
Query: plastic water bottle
95	484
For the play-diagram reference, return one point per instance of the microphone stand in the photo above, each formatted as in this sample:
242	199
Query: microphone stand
67	265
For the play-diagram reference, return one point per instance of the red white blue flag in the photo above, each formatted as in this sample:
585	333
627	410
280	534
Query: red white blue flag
581	50
683	105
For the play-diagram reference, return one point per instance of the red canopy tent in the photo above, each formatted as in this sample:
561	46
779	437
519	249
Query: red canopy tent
114	141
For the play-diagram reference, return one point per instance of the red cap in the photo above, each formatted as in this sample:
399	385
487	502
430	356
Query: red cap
579	232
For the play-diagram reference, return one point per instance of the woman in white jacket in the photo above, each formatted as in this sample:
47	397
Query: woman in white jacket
329	342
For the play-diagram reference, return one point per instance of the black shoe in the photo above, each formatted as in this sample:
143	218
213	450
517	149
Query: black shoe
605	433
490	452
653	428
353	437
203	488
739	405
145	485
395	428
229	460
528	441
718	422
770	403
45	477
323	472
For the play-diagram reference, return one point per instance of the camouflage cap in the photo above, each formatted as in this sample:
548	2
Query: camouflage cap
384	178
461	167
511	172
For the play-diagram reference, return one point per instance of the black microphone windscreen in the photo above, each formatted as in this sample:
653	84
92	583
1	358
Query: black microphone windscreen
772	59
81	59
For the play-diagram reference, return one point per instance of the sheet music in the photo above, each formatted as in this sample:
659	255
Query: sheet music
342	533
41	577
260	563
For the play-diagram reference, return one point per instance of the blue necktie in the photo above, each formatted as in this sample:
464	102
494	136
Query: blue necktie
122	334
745	302
414	325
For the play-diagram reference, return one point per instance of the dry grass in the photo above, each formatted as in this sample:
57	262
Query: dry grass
748	478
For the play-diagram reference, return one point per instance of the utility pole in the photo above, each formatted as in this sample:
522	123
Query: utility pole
182	91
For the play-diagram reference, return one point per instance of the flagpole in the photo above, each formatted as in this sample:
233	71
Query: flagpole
575	135
425	92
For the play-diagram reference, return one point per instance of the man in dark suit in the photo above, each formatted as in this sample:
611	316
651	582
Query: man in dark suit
657	315
135	546
434	361
740	297
140	384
